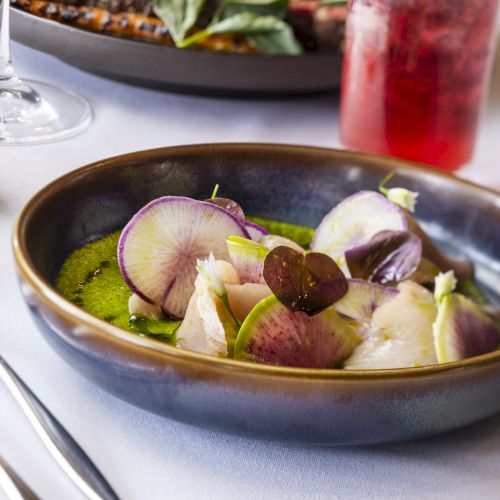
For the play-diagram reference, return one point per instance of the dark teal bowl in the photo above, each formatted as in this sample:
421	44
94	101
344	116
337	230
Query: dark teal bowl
294	184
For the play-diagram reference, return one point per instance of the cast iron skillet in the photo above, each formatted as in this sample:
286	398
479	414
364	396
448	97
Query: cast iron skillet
289	183
180	70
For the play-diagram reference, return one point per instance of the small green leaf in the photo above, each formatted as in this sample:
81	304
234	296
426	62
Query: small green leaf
178	15
277	8
279	42
340	3
269	34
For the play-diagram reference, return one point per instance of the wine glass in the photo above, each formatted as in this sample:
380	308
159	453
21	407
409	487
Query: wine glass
34	112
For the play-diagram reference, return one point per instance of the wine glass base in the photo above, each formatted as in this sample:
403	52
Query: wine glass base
34	112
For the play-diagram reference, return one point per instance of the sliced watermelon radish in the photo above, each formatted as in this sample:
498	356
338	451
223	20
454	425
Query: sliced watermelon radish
272	241
158	248
247	257
275	335
363	299
354	221
462	329
256	231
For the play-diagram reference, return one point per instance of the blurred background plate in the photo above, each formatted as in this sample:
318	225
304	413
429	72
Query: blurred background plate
189	71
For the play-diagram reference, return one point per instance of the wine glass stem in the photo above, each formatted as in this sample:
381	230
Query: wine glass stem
6	69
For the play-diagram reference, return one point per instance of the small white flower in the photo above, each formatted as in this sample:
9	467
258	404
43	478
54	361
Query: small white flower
210	273
444	284
402	197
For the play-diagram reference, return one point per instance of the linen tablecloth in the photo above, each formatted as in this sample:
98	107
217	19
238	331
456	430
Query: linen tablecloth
148	457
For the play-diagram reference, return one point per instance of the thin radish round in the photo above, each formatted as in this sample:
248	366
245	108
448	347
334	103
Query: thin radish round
363	299
462	329
256	231
354	221
158	248
272	241
247	257
273	334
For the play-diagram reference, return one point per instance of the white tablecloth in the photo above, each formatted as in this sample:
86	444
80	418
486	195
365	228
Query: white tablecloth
148	457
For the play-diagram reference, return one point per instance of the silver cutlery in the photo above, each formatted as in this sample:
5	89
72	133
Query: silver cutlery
12	485
63	448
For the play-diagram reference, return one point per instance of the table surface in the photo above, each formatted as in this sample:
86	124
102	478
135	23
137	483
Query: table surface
148	457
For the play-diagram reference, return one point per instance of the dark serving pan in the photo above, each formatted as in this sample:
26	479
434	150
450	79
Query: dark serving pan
179	70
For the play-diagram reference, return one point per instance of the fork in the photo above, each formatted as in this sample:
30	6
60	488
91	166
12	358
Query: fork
63	448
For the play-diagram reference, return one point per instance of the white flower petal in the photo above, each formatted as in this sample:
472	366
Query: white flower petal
444	284
403	197
210	273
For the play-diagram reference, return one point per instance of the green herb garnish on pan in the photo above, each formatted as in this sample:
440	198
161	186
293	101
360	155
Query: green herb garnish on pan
260	21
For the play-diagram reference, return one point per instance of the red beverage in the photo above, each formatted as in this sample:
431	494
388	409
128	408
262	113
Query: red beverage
415	74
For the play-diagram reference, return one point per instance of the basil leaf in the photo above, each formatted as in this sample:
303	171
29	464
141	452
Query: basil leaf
277	8
333	2
178	15
269	34
278	42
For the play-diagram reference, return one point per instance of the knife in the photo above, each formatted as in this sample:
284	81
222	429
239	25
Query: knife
12	485
63	448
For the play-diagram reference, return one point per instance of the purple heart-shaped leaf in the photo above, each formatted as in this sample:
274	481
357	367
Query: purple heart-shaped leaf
389	257
308	283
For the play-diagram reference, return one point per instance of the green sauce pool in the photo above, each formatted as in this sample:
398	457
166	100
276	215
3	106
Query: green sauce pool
90	278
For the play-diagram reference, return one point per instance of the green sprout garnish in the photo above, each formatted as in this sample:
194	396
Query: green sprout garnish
215	191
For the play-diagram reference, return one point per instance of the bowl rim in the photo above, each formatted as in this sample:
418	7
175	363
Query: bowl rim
62	307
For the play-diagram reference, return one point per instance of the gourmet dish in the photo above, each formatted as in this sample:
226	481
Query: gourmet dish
243	26
367	289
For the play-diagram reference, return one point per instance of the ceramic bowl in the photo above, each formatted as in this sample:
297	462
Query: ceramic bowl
288	183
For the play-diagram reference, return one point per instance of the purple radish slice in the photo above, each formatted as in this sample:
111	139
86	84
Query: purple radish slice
463	329
247	257
274	335
360	303
389	257
354	222
229	205
363	299
158	248
492	311
272	241
256	231
463	269
307	283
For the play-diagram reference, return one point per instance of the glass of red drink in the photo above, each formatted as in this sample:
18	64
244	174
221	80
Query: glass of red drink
414	78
